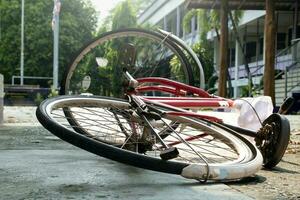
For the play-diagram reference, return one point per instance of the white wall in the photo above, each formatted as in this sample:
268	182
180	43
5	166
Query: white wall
250	15
158	11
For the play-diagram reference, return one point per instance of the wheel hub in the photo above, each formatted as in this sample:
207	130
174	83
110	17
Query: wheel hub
266	139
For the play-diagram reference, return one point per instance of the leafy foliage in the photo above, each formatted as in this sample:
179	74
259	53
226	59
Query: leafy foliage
208	20
77	25
124	16
204	54
106	80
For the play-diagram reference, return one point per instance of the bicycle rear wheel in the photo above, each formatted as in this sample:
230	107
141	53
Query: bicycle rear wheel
206	151
144	53
196	65
273	138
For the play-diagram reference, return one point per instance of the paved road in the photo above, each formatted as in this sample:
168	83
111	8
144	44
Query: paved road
36	165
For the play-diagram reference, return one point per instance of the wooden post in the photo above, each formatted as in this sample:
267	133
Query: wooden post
222	87
269	71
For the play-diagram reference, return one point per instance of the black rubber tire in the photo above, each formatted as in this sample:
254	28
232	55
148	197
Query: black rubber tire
103	149
128	157
274	152
107	35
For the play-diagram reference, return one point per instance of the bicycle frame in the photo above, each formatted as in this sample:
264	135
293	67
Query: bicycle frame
271	140
185	97
198	97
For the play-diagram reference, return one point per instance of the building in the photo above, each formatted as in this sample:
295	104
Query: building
168	14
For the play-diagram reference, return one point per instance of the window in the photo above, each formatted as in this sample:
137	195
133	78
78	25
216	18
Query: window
281	41
290	34
231	57
261	46
250	50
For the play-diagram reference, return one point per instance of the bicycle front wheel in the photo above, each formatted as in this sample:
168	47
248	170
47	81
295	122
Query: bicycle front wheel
144	53
113	130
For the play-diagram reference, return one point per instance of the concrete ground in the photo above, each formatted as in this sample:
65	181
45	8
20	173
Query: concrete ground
34	164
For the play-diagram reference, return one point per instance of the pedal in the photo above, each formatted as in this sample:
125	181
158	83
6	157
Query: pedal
169	153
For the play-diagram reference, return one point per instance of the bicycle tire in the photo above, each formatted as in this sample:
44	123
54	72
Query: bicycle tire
248	159
189	51
106	37
275	135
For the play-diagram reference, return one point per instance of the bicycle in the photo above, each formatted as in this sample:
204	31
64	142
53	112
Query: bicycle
152	121
141	128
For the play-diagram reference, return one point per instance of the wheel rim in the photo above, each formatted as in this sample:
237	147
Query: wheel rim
149	55
100	123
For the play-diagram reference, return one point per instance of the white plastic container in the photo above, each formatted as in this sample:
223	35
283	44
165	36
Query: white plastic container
246	108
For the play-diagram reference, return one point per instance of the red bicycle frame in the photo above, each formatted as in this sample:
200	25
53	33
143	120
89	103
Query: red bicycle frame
185	96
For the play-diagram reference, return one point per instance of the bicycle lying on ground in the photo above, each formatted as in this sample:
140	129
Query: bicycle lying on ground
156	132
156	136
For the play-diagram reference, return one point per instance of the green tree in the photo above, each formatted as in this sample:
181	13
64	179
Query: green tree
77	25
205	54
209	20
124	16
107	79
140	5
135	6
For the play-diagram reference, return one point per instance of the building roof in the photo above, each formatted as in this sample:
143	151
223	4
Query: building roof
283	5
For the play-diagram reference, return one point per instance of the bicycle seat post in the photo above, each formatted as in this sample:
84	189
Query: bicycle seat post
132	82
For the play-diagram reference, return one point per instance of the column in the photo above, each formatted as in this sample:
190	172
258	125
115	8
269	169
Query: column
193	26
216	54
165	23
178	22
222	88
269	50
236	70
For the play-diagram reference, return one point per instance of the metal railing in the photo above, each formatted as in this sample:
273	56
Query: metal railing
286	69
285	51
286	62
293	68
29	77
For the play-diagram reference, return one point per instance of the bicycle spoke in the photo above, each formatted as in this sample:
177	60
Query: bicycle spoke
116	126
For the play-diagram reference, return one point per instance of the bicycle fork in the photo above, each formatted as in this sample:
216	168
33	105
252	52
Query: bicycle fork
168	152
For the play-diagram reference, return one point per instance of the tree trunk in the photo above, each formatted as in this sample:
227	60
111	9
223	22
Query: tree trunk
222	88
269	71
